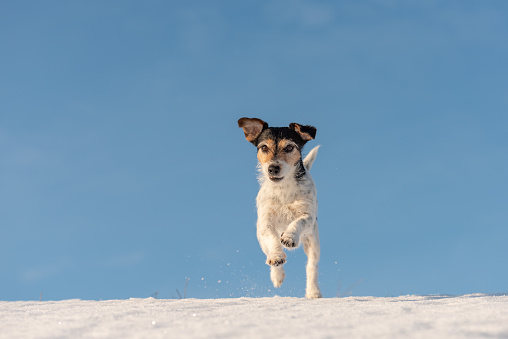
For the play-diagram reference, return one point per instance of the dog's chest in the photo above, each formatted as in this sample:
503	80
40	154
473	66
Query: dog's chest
284	204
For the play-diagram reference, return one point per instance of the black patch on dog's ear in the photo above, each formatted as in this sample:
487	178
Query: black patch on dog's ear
306	132
252	128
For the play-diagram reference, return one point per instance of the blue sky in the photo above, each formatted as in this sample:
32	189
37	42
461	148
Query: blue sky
123	171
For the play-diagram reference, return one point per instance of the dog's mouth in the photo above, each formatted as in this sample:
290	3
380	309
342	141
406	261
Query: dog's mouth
276	179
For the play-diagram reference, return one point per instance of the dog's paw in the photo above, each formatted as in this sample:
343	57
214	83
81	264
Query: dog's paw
276	259
289	240
313	293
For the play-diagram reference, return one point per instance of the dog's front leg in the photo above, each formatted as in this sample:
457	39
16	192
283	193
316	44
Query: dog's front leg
269	242
291	236
275	257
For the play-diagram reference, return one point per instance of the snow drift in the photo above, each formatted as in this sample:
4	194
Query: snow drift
438	316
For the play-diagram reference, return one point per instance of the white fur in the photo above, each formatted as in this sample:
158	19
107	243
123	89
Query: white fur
287	214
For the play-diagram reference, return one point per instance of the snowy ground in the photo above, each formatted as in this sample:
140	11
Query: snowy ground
474	316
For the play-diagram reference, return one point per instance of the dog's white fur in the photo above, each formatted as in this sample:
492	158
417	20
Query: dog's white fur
287	214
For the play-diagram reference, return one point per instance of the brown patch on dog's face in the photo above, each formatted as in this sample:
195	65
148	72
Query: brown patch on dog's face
266	151
288	152
283	151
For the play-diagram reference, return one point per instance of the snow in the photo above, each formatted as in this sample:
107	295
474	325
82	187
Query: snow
438	316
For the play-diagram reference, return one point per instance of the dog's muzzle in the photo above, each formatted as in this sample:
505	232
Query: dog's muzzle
273	172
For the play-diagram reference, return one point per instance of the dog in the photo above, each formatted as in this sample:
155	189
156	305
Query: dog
287	198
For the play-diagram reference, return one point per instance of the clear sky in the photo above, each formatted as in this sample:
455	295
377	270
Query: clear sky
123	171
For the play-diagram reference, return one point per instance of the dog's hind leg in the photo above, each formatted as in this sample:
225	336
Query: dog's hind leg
312	249
277	275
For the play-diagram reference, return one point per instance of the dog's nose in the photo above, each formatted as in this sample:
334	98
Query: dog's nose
274	169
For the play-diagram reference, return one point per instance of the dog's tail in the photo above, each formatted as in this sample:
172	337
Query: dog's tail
309	159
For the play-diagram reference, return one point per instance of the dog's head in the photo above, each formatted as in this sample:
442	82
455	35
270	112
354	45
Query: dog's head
279	148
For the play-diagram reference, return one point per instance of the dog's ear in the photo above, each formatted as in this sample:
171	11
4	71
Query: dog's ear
306	132
252	127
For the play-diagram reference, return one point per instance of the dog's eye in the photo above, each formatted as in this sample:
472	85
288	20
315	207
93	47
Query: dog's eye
264	148
289	148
